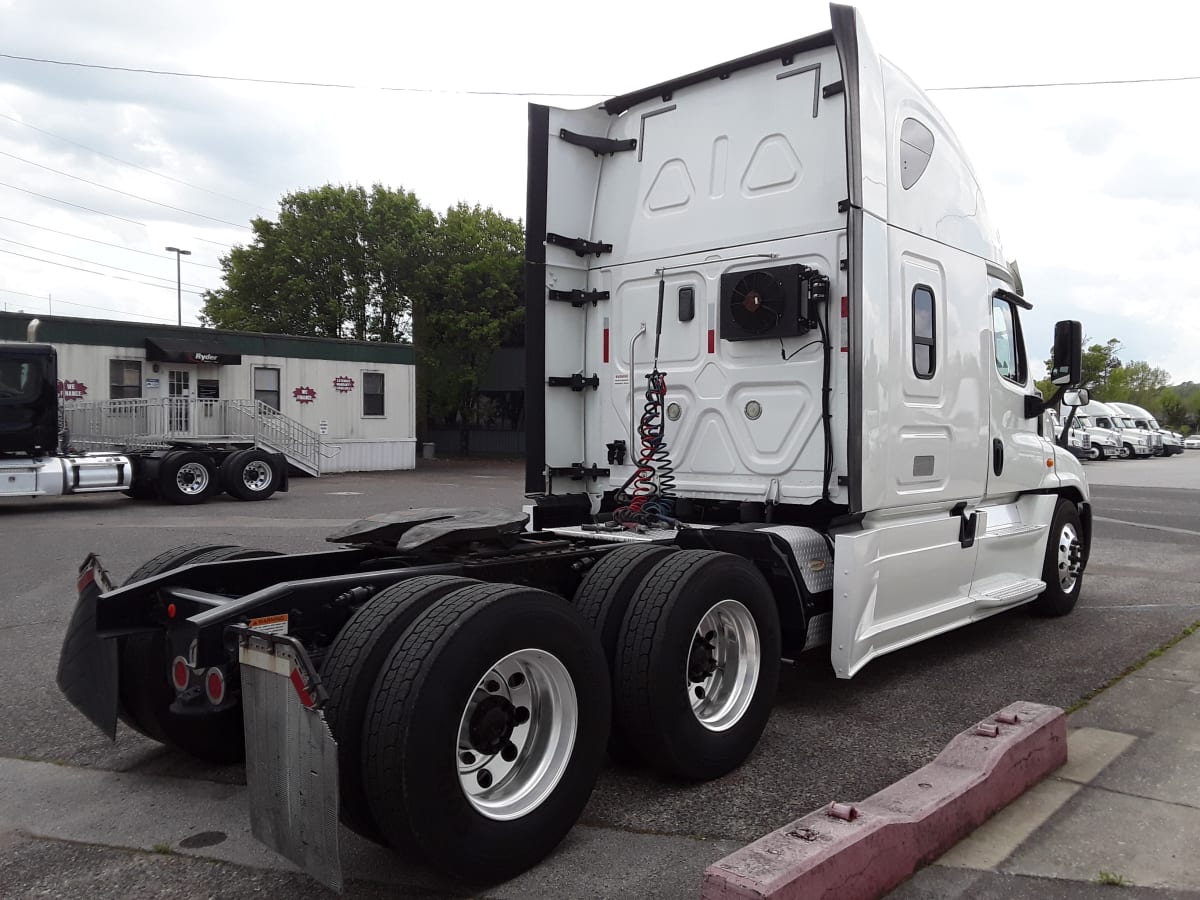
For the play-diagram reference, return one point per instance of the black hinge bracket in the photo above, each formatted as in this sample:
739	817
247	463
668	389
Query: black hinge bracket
581	246
576	382
831	90
843	206
844	265
577	471
966	524
577	297
597	145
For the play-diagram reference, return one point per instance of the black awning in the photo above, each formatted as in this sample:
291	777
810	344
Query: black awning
189	350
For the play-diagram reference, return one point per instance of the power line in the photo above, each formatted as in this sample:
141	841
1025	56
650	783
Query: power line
132	165
92	262
80	237
106	187
1053	84
50	262
218	243
123	312
76	205
419	90
288	83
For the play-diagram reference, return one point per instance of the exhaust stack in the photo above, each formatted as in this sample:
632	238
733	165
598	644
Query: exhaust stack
31	330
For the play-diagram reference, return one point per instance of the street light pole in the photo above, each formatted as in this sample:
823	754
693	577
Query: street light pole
179	278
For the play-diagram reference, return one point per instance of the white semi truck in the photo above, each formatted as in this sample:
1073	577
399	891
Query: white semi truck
779	399
1134	443
1167	443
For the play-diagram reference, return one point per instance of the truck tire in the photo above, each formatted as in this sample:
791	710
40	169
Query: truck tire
249	474
146	694
186	476
349	672
713	616
515	680
602	599
1062	569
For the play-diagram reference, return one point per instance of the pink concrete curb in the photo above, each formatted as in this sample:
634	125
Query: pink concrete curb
863	851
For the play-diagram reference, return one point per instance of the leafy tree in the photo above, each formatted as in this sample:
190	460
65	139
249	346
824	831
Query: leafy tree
339	262
470	299
1172	408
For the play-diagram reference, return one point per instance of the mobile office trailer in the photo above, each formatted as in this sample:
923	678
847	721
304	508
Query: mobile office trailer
780	399
1166	443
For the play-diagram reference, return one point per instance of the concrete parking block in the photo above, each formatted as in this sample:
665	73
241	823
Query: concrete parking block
848	852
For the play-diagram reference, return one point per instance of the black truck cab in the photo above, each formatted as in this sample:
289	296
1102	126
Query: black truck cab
28	399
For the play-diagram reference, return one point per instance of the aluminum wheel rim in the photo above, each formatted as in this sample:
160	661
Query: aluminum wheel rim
723	665
192	478
257	475
1068	558
512	773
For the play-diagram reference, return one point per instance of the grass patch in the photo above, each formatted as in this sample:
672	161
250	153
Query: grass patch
1153	654
1112	878
164	849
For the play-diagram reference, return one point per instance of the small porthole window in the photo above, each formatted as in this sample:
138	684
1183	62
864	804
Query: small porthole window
924	332
916	149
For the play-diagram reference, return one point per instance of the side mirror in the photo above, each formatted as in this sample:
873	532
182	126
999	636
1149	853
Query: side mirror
1067	360
1076	398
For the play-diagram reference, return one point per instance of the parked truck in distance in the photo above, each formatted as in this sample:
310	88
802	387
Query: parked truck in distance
37	460
1134	444
760	422
1166	442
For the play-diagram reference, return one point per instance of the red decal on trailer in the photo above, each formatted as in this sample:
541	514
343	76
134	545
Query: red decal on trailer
301	690
606	345
712	341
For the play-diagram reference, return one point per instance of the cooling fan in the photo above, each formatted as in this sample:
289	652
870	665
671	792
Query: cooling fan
761	303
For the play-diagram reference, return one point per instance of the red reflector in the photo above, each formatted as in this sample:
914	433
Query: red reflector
86	577
180	673
845	307
170	610
606	345
214	686
712	341
301	690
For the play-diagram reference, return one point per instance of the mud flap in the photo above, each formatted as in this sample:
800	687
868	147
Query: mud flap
291	757
87	665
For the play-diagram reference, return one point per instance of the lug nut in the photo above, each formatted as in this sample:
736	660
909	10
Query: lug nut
521	715
509	752
484	777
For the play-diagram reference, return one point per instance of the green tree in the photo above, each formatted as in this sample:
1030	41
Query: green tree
470	299
1173	411
339	262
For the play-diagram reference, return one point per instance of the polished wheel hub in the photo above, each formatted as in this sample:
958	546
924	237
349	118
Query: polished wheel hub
1070	558
723	665
516	734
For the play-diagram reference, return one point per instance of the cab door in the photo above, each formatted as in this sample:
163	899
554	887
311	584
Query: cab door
1017	454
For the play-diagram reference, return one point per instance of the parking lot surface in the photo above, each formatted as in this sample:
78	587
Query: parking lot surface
827	739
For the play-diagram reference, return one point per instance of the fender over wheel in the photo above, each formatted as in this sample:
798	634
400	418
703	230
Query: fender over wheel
349	672
1062	569
486	730
698	664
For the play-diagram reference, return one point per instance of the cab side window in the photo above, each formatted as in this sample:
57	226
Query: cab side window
924	336
1010	347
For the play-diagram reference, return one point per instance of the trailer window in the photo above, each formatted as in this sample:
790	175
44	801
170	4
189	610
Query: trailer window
373	394
124	379
924	331
266	387
1010	348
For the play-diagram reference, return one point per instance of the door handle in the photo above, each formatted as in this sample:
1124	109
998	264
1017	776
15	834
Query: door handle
997	456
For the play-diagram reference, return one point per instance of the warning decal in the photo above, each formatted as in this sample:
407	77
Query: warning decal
271	624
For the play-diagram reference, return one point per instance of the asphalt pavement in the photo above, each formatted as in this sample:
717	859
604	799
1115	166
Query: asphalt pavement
641	835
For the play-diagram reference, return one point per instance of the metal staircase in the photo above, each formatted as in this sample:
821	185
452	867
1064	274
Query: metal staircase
165	422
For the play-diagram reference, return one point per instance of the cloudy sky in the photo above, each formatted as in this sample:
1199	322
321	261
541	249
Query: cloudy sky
1096	189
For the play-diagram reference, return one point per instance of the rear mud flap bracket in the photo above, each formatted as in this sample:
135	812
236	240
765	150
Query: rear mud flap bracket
291	757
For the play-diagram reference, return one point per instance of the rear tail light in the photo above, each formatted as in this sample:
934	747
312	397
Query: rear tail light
181	673
214	686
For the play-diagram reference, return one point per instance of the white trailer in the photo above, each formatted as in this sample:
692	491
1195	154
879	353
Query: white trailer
779	399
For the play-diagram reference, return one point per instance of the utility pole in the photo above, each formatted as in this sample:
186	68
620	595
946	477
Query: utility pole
179	279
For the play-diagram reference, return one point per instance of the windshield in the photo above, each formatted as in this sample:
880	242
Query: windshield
1154	425
20	377
1127	422
1085	421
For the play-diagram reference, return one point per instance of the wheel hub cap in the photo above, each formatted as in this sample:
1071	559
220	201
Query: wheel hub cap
723	665
1070	558
492	725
